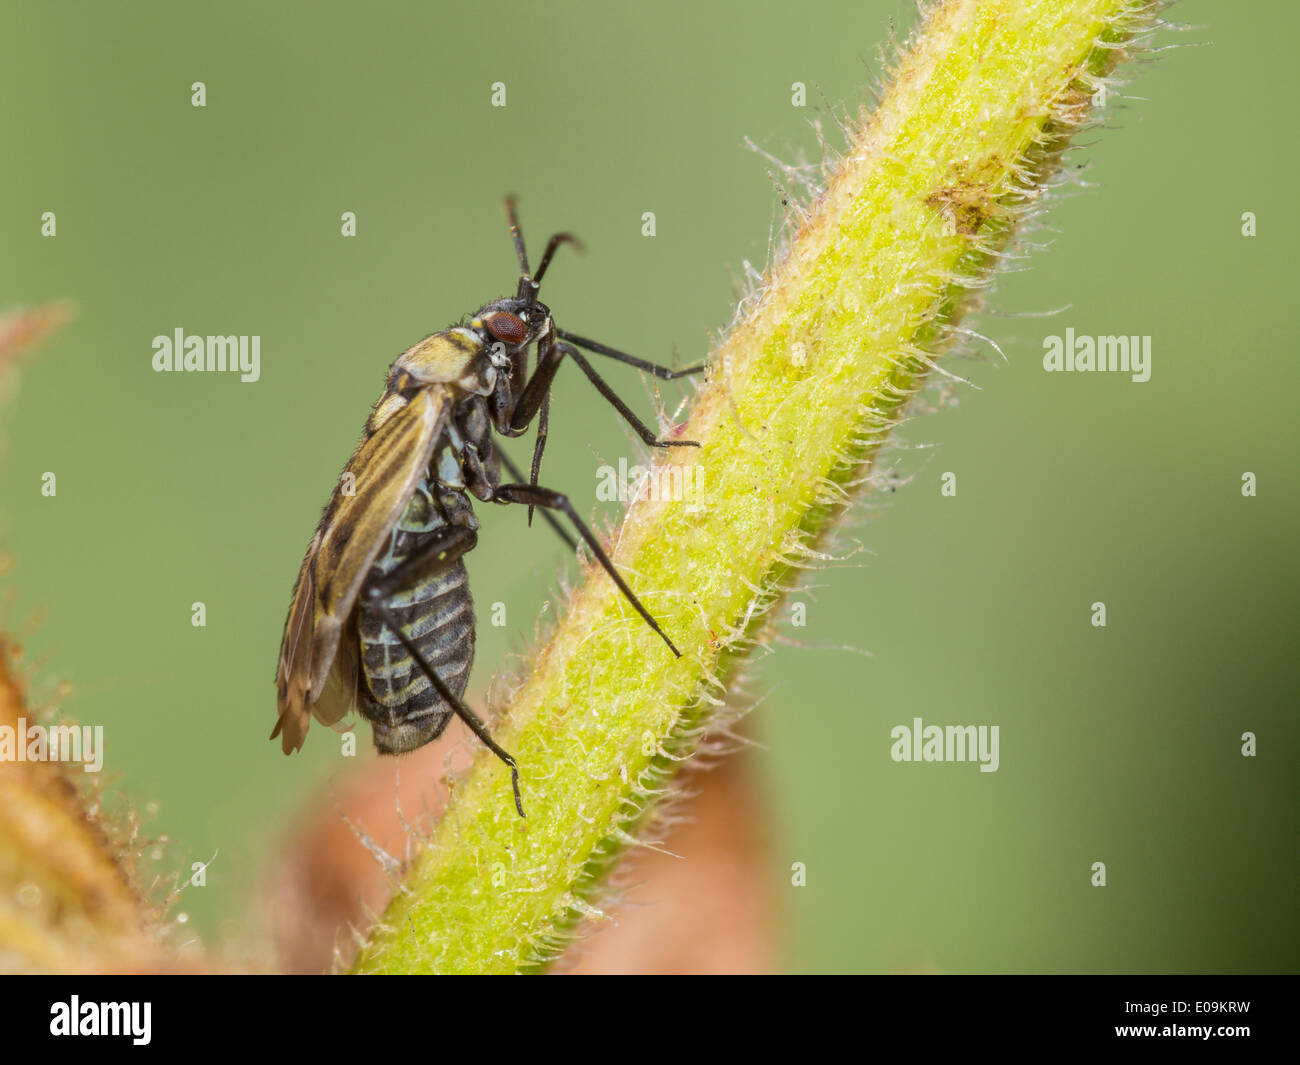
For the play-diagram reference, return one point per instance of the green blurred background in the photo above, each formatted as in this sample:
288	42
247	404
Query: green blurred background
1120	744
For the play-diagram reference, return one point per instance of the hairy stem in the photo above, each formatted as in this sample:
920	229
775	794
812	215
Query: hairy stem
800	398
66	903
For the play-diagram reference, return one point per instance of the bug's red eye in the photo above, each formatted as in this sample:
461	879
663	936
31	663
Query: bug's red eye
506	326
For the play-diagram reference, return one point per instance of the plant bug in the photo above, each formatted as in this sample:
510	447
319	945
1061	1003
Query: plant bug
381	616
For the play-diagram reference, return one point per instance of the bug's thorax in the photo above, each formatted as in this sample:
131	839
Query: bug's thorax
486	357
458	357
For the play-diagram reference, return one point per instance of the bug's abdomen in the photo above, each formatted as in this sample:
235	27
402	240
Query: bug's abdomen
436	614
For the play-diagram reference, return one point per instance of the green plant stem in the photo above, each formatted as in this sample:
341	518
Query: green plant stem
800	398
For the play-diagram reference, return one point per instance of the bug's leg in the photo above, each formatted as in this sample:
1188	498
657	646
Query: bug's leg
538	388
437	554
535	399
375	600
518	475
535	495
539	445
662	372
603	388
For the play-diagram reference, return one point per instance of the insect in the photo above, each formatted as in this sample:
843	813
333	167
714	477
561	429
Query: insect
381	616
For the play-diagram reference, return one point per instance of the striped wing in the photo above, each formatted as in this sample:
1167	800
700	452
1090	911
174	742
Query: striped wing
317	673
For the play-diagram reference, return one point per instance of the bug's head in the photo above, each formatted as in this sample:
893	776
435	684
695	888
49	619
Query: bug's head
516	324
509	327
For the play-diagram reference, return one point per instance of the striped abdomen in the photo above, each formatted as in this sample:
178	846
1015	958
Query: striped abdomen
436	613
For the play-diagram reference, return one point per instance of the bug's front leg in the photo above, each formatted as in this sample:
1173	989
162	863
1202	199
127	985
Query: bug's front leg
538	389
642	430
664	373
535	401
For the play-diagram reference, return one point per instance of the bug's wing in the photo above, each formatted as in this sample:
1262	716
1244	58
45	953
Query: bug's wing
388	464
291	676
339	695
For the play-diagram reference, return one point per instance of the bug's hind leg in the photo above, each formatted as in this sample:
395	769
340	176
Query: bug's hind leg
438	554
535	495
